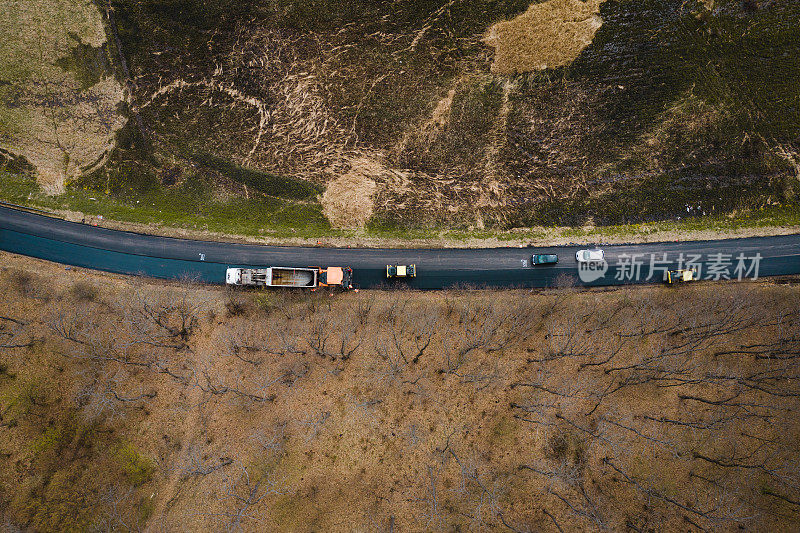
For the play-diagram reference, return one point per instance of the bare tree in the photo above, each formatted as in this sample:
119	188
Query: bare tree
199	462
14	334
163	320
242	495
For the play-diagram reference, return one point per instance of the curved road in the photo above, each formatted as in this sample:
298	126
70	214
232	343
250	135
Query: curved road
163	257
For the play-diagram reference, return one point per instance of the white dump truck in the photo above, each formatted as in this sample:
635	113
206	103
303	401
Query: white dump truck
308	278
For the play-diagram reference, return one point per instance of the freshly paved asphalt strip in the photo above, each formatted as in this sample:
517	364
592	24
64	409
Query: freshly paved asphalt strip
164	257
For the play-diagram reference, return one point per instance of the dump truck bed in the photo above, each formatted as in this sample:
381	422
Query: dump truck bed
273	277
292	277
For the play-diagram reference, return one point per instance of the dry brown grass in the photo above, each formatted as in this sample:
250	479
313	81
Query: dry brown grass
47	116
550	34
348	199
418	411
409	85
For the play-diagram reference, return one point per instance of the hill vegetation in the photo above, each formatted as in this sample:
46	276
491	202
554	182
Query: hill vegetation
60	105
130	405
507	112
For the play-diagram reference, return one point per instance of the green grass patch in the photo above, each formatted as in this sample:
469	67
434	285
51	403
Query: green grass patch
660	198
280	219
294	513
270	184
137	469
18	399
503	432
763	217
186	207
71	464
87	63
49	440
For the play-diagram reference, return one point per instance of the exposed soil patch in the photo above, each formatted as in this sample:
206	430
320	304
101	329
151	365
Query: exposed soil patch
348	200
548	35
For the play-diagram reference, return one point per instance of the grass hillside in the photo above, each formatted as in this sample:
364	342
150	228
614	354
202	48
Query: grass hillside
60	106
506	112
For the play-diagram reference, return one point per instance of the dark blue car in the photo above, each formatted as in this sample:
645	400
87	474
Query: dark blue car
544	259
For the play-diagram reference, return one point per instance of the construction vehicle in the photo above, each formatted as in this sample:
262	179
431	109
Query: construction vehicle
401	271
307	278
683	275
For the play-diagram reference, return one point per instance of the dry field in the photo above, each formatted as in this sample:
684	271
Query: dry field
548	35
130	405
59	101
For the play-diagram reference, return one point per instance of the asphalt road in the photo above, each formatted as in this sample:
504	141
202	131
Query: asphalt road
163	257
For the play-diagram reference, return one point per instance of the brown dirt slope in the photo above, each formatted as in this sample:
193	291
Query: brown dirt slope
174	407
